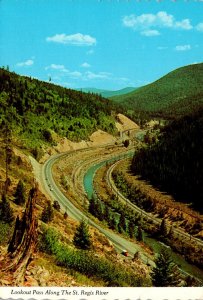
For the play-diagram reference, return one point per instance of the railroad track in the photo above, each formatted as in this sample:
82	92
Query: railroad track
55	193
178	232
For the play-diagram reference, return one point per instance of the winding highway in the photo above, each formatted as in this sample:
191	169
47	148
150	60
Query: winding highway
50	187
55	193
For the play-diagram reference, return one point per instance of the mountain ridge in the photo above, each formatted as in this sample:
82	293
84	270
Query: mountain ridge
174	94
107	93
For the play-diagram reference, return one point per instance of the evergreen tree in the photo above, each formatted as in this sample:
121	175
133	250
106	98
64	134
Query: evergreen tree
113	223
92	205
131	229
170	234
139	234
98	210
163	229
47	213
6	212
20	193
122	223
82	238
65	216
56	205
107	213
165	273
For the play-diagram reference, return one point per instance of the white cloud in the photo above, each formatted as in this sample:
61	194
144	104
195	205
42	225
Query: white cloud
184	24
150	32
85	65
100	75
77	39
147	24
55	67
75	74
199	27
26	63
63	71
183	48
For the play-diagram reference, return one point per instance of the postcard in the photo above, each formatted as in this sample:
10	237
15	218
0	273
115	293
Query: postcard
101	134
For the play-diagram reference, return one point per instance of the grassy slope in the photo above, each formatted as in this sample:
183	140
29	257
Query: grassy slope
174	94
56	272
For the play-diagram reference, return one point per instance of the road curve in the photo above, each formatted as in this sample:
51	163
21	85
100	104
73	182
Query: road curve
55	193
176	231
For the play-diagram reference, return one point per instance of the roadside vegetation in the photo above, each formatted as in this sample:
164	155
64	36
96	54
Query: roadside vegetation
116	216
87	263
171	215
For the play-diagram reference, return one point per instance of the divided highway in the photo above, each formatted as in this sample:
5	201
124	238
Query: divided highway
50	187
55	193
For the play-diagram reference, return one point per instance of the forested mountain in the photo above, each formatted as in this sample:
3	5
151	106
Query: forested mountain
175	163
108	93
174	95
35	109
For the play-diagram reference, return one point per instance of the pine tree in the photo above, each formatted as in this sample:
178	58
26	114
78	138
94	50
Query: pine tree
65	216
113	223
92	205
165	273
99	210
171	234
47	213
139	234
56	205
6	212
131	229
82	238
163	229
8	151
20	193
122	223
107	213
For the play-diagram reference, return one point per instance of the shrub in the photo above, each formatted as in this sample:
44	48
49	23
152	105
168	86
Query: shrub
20	193
47	213
82	237
86	263
6	212
5	233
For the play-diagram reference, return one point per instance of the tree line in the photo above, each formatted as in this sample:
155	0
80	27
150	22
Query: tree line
175	163
36	109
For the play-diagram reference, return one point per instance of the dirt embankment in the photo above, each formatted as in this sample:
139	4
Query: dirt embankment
98	138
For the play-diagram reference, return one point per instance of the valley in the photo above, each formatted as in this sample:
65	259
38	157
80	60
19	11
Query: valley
75	166
82	159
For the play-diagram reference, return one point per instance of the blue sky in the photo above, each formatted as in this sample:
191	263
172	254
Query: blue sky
107	44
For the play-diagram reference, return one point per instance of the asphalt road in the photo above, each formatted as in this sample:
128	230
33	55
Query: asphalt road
55	193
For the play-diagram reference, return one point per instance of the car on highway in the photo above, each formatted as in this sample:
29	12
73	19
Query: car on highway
125	253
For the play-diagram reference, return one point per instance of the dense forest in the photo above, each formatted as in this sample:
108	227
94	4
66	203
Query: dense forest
35	110
172	96
175	162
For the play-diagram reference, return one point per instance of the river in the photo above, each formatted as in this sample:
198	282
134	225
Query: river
153	243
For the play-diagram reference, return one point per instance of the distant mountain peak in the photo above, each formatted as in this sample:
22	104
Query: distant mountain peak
107	93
